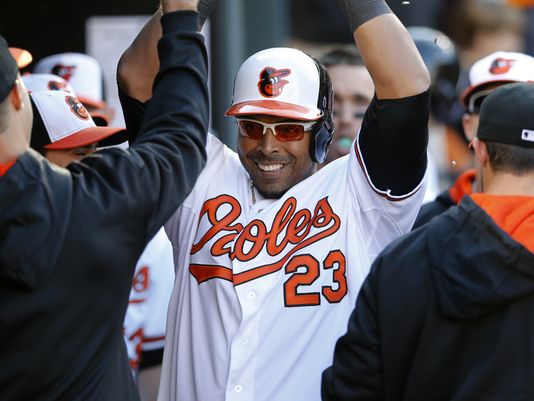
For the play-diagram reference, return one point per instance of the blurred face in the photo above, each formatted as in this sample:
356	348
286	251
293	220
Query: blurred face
275	165
65	157
353	91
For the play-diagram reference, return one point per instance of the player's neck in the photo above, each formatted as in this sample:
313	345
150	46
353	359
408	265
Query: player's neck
509	184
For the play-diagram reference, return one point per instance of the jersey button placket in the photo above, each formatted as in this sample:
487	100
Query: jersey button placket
243	357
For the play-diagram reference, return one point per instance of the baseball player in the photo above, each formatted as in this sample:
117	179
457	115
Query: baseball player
486	75
145	320
62	130
70	237
270	254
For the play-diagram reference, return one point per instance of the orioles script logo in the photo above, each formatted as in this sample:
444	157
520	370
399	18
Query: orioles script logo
289	226
501	66
271	83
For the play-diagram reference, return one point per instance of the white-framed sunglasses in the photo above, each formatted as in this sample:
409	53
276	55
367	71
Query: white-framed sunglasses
475	101
284	131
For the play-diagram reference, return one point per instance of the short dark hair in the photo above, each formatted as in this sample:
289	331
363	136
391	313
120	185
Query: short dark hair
514	159
346	55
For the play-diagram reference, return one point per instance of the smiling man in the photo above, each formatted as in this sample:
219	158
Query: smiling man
270	254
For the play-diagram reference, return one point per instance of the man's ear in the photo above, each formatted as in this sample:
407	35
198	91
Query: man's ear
16	96
481	151
467	123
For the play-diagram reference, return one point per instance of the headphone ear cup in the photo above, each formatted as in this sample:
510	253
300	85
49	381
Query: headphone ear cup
321	143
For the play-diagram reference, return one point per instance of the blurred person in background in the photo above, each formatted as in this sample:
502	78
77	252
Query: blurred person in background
353	91
86	77
528	8
485	76
481	27
477	28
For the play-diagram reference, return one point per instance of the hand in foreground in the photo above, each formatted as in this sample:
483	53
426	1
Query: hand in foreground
178	5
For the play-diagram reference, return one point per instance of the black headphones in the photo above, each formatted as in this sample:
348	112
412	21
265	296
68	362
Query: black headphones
323	131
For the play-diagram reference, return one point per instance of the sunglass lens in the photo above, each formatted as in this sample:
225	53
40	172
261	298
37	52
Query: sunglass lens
289	132
250	129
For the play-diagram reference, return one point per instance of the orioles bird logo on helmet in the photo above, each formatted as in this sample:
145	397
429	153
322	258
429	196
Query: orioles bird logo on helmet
64	71
77	107
501	66
56	85
271	83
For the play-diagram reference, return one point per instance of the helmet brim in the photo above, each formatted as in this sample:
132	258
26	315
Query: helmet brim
470	90
274	108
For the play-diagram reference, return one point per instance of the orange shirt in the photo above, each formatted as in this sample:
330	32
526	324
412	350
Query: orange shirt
463	185
5	167
521	3
514	214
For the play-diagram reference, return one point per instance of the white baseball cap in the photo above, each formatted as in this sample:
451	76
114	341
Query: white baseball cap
46	82
281	82
83	73
62	122
498	67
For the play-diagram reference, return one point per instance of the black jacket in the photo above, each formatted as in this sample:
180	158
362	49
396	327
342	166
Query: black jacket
70	239
450	197
446	313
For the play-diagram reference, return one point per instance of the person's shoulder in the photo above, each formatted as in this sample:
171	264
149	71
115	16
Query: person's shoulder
432	209
219	154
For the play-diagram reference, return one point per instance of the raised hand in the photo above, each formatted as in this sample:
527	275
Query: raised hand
178	5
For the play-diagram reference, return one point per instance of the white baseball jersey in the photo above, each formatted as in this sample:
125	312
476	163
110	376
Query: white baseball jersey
264	287
144	323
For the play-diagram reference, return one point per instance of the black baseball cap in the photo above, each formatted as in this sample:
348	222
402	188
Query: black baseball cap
507	115
8	69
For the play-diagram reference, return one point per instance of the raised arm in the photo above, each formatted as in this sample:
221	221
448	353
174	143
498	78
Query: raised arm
158	171
387	49
139	64
391	146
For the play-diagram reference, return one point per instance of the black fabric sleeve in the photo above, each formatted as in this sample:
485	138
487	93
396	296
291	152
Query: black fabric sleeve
133	111
393	142
142	186
356	372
